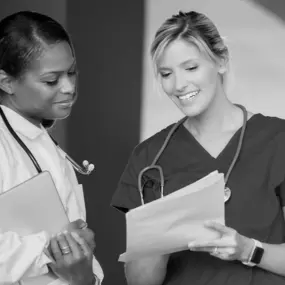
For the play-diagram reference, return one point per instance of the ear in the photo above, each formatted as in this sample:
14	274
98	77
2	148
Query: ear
6	83
223	66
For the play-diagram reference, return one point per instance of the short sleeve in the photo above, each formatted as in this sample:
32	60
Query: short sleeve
277	172
127	196
281	193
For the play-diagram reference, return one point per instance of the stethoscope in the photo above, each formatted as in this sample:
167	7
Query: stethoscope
85	169
154	165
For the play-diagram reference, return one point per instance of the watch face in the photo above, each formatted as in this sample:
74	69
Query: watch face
257	255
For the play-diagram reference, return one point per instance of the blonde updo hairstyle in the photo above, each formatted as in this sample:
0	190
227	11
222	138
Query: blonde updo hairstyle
195	28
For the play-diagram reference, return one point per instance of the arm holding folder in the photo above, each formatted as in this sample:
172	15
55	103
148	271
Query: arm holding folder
25	220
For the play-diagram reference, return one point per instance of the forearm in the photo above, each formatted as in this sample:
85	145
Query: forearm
273	259
149	271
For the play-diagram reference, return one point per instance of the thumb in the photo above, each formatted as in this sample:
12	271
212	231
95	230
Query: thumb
53	270
76	225
81	224
217	227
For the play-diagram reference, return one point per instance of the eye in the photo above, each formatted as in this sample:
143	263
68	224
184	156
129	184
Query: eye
72	73
165	74
51	82
192	68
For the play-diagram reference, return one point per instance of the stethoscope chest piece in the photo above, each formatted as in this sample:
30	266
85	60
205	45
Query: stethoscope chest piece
227	194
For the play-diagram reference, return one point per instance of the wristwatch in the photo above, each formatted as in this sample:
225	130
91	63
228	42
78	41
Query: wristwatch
255	255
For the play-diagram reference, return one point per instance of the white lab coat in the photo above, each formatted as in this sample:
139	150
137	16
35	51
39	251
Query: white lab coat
23	256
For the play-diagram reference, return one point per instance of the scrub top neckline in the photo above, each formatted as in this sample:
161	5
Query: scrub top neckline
226	147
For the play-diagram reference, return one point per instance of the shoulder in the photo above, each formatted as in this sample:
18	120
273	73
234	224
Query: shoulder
266	131
149	147
268	124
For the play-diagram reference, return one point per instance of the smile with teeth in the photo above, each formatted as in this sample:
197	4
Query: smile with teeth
189	95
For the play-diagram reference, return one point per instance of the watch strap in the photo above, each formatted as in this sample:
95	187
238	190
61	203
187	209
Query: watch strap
256	254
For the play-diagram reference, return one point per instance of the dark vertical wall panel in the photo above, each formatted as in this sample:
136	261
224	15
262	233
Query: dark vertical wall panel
104	126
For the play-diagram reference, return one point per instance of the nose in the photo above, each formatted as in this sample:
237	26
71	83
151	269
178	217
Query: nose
180	82
68	85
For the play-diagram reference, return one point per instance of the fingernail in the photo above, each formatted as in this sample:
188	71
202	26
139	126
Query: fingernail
83	226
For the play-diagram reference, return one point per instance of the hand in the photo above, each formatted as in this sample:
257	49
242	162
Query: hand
72	259
80	227
229	246
89	236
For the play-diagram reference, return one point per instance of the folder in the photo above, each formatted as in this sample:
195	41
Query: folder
30	207
168	224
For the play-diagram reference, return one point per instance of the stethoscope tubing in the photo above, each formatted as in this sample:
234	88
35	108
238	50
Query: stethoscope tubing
77	167
154	164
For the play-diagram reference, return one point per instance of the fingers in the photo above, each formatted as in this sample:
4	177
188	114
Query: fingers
89	236
211	244
57	244
203	249
221	255
83	244
74	245
69	245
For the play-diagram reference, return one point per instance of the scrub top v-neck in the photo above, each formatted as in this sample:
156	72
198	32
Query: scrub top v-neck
254	210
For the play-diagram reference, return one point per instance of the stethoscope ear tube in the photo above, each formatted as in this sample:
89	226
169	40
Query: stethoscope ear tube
21	143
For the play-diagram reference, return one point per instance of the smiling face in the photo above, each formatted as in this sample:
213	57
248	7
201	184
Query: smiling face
189	77
47	89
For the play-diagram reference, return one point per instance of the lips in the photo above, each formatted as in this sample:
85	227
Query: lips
65	102
189	96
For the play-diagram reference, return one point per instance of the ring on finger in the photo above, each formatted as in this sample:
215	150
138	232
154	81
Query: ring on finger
65	250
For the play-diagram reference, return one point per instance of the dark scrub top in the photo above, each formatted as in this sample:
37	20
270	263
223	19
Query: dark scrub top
255	207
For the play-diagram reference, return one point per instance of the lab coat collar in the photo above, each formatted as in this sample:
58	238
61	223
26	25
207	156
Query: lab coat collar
22	125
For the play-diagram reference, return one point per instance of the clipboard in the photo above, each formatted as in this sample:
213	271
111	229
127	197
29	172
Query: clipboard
31	207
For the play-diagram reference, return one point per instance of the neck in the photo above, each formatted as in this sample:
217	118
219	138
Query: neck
9	104
222	116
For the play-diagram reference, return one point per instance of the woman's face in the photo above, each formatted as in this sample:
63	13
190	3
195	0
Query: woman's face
47	89
189	77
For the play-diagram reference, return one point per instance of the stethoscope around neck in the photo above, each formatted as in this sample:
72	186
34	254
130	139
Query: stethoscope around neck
85	169
155	166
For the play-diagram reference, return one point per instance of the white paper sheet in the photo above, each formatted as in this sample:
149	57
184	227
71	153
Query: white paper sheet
167	225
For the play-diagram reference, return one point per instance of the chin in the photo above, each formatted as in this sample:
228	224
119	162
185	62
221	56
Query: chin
61	114
192	111
195	109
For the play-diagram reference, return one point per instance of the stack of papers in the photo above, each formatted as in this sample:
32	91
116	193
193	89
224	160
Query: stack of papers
168	224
